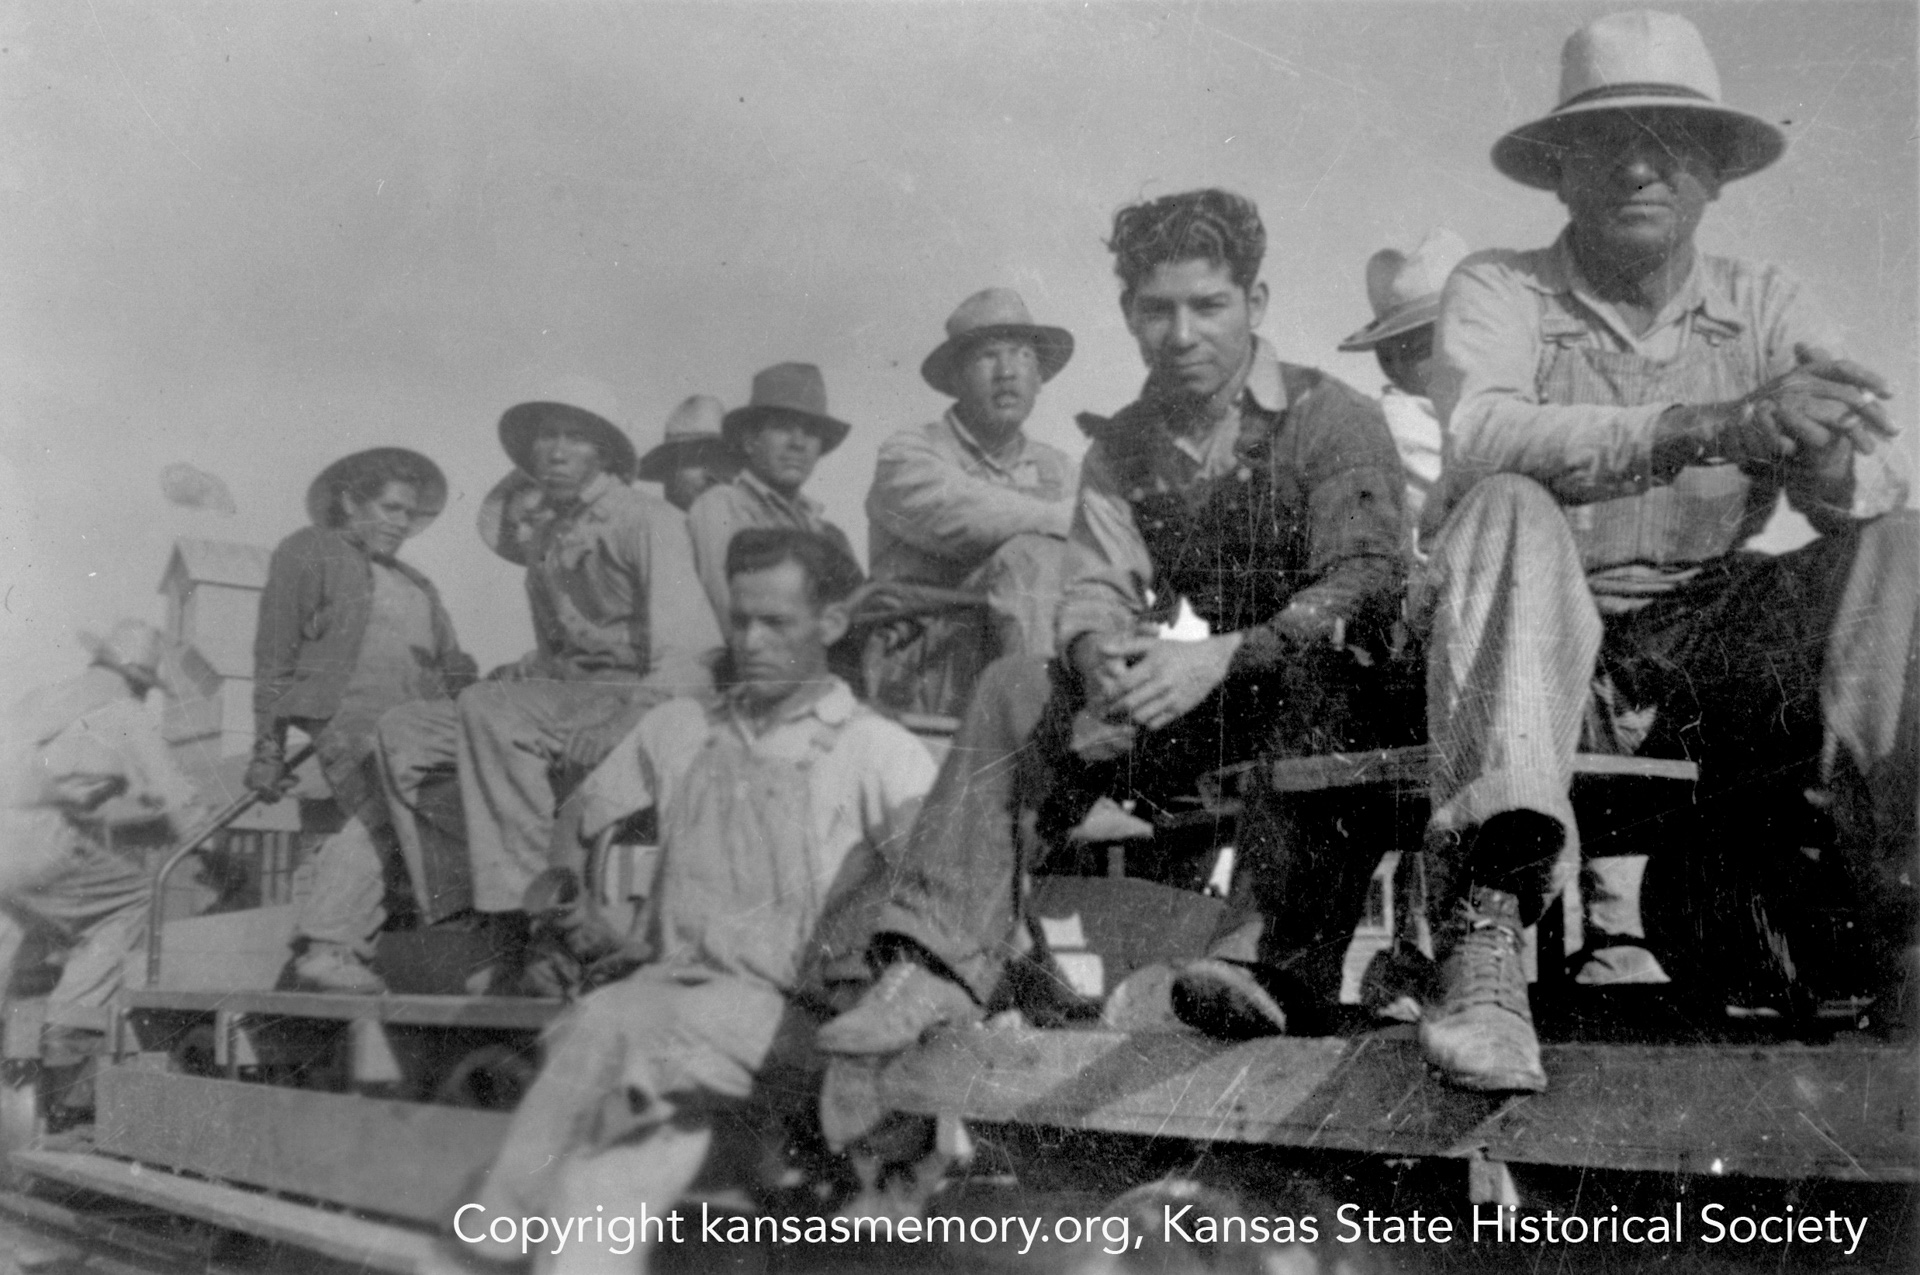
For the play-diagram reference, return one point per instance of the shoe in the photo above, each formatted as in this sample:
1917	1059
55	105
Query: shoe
1396	984
1624	964
897	1011
1109	821
334	967
1226	1000
1480	1034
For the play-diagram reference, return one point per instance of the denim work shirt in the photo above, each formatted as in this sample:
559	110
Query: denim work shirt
746	502
941	503
1294	496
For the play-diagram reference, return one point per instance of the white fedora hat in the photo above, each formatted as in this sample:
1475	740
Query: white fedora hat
1646	61
1405	287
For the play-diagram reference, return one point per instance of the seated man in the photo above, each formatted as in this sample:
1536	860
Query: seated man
780	435
618	628
1623	412
347	632
773	801
692	457
969	502
1404	290
69	751
1265	496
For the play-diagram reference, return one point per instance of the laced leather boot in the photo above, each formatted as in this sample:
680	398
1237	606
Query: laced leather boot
1480	1034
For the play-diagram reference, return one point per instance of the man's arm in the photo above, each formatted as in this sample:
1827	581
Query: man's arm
923	498
709	527
1108	570
1357	528
680	632
293	591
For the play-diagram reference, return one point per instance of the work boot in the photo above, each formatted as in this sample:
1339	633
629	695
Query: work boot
333	967
1480	1034
1226	1000
897	1011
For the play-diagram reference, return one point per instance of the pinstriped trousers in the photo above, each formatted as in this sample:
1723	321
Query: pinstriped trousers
1818	645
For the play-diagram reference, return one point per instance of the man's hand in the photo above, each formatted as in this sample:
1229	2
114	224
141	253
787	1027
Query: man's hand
267	778
1817	415
589	744
1156	682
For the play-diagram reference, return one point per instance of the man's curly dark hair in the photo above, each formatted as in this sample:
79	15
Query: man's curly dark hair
1215	224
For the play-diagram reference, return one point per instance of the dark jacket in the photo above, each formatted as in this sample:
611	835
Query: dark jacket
313	617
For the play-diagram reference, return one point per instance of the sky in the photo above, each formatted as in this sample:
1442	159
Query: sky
254	238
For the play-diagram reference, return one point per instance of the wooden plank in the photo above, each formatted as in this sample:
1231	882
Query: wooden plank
403	1160
371	1245
502	1012
1784	1111
1409	768
1369	1094
1833	1111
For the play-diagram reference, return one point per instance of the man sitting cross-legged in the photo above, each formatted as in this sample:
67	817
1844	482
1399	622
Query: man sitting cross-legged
773	800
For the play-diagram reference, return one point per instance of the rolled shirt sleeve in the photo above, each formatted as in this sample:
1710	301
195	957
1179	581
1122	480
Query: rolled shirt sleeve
1108	570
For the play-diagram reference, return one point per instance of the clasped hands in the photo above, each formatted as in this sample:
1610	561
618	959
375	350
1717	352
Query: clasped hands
1816	416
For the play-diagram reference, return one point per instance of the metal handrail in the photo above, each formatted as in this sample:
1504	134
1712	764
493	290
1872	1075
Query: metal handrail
222	817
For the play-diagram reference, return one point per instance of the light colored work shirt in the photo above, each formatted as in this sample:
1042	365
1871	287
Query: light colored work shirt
1502	314
395	652
1415	427
941	503
745	502
614	594
863	777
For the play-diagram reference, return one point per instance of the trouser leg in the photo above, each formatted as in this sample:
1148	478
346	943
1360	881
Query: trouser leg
1870	704
419	743
346	905
102	902
1514	637
954	888
653	1171
511	734
1022	583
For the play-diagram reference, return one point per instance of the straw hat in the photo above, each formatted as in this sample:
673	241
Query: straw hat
1405	288
1642	60
522	422
323	493
693	432
987	315
790	389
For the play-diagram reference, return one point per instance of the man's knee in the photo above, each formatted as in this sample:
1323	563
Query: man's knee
1509	498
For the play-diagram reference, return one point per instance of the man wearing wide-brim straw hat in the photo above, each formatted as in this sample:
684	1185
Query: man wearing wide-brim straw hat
971	503
347	632
1623	410
618	627
780	435
67	750
1404	289
692	456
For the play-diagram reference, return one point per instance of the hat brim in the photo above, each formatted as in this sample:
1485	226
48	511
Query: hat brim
1531	153
321	491
657	465
831	431
505	536
1052	346
1394	323
521	422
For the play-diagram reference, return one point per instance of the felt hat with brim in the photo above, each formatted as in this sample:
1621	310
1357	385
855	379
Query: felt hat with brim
510	514
1639	61
401	464
692	436
787	389
520	425
1404	288
132	648
988	315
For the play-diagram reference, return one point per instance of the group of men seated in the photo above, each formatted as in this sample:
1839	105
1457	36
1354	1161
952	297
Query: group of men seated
1234	574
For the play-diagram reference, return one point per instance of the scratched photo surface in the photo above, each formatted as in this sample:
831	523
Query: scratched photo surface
241	241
